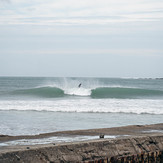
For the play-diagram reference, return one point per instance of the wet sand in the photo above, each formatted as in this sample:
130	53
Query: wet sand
118	132
133	130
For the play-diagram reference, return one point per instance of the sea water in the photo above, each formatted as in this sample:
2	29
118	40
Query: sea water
34	105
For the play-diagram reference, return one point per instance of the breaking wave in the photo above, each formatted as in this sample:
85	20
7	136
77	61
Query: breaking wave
99	92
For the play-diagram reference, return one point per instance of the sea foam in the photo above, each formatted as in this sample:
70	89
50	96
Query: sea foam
135	106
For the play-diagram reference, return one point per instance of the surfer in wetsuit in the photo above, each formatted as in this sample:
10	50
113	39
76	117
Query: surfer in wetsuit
79	85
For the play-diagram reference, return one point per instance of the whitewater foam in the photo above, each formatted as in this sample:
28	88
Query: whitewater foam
54	139
78	91
137	106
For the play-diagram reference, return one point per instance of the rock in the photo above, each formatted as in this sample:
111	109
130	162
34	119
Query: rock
101	136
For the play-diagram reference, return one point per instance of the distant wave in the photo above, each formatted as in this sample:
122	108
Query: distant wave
99	92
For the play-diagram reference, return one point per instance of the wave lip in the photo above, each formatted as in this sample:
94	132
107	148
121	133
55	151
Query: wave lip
120	92
48	92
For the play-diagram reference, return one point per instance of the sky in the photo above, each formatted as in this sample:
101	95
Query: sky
81	38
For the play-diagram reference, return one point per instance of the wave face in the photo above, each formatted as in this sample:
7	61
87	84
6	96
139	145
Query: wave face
119	92
47	92
52	92
97	93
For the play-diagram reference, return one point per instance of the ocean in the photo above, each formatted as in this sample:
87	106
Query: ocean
34	105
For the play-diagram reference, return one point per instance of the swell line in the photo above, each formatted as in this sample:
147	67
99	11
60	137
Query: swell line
120	92
99	92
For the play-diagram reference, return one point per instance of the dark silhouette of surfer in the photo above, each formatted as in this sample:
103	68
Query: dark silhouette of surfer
79	85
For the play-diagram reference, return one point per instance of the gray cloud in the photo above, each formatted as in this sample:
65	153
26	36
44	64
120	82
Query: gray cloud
65	39
5	1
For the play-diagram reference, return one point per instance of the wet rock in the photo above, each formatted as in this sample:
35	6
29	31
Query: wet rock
101	136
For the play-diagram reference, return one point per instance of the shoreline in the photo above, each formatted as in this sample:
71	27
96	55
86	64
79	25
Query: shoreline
136	143
62	137
130	130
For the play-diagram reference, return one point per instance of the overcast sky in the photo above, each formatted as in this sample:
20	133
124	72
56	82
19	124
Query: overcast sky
91	38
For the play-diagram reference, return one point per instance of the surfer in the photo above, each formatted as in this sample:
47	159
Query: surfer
79	85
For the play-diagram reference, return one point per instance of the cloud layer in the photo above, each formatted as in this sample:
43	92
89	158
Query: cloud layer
79	12
81	38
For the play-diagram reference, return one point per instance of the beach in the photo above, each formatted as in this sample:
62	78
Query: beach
137	140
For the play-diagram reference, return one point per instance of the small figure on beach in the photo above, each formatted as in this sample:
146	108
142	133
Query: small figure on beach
79	85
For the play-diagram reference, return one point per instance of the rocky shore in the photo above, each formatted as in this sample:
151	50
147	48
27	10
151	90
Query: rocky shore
119	144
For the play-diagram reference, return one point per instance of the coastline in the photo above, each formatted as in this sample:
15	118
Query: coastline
138	138
131	130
